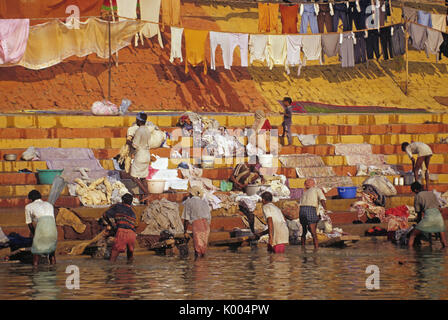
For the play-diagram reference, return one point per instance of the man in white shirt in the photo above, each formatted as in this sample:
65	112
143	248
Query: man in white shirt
141	143
309	203
277	227
424	154
39	216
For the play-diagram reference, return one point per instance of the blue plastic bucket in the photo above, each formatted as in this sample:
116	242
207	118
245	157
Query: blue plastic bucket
347	192
47	176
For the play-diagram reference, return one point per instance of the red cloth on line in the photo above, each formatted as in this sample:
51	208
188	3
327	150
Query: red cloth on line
124	238
266	125
401	211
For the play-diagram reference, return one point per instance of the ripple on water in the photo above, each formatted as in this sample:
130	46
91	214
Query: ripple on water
246	274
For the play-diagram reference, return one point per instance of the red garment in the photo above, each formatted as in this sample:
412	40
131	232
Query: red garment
266	125
401	211
279	248
151	173
201	231
125	238
289	18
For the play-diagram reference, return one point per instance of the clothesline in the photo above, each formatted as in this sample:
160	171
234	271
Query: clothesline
265	33
440	14
278	2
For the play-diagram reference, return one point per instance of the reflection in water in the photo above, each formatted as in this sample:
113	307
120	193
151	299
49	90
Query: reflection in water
329	273
45	286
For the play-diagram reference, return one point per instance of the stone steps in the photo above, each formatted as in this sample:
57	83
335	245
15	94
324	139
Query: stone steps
47	121
320	150
117	132
16	178
117	142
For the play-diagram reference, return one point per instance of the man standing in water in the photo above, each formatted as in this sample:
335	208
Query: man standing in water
197	212
125	224
44	232
277	227
309	203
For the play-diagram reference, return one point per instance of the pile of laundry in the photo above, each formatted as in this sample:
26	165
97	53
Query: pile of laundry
161	215
361	155
99	193
76	162
158	170
312	166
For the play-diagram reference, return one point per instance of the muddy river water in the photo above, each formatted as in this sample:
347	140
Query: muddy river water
330	273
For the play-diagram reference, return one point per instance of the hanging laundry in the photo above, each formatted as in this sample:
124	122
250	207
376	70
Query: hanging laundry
276	50
312	48
418	36
293	47
360	48
171	13
309	17
228	43
107	5
289	15
268	17
410	14
444	46
340	13
373	44
433	43
150	11
381	13
13	39
424	18
439	21
357	14
398	41
31	9
240	40
386	42
324	18
221	39
127	9
330	44
52	42
347	51
176	44
258	47
195	48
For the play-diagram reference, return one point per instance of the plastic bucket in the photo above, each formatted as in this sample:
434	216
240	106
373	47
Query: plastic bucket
266	160
47	176
252	189
156	186
347	192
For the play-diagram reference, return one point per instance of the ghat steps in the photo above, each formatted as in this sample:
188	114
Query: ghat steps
105	135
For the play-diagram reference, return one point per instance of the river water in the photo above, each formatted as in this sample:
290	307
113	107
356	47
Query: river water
329	273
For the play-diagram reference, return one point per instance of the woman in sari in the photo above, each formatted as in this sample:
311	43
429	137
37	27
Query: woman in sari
197	213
